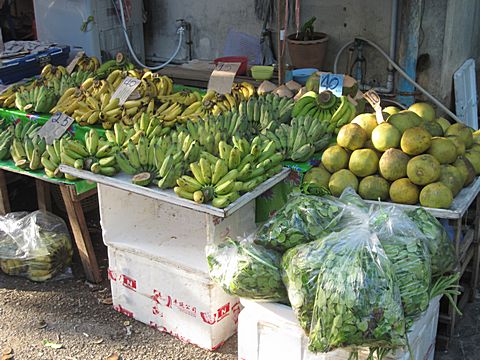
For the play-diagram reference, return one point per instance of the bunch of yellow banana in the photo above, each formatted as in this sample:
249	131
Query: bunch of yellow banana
96	154
242	91
52	257
9	96
185	97
216	104
50	72
87	63
239	168
163	83
68	102
168	113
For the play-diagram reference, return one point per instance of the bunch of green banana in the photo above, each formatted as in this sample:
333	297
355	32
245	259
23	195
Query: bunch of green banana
300	140
210	132
60	85
6	139
27	154
267	111
96	154
120	135
345	113
51	159
239	168
40	99
119	63
54	255
150	126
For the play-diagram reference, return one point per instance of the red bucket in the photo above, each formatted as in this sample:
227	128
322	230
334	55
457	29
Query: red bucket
242	70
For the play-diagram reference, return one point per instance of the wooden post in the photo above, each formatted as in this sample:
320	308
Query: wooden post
43	195
80	233
4	202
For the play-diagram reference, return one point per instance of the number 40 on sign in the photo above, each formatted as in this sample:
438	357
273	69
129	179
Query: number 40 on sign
331	82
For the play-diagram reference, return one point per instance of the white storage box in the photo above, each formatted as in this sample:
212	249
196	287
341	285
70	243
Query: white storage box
172	298
176	233
271	331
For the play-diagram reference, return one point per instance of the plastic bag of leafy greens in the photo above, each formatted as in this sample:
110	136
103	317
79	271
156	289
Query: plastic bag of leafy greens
404	245
439	244
303	219
343	291
247	270
34	245
351	198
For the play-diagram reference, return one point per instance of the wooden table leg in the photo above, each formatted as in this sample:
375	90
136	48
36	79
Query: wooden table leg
80	233
476	254
4	202
43	195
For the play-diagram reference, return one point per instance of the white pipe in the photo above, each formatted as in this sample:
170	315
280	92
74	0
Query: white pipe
410	80
180	32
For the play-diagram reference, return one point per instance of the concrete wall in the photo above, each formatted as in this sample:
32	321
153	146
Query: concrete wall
449	32
212	19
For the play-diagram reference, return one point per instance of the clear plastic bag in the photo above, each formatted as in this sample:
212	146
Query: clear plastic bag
247	270
342	290
34	245
439	244
303	219
405	246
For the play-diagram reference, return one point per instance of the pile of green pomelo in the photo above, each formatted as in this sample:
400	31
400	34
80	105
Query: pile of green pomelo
412	157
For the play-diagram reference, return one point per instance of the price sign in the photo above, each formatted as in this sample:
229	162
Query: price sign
55	127
75	61
222	77
125	89
331	82
373	99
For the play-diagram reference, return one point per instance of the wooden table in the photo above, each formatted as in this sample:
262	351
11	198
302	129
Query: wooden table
74	209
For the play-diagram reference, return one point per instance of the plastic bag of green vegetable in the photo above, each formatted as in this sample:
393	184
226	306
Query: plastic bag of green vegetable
303	219
245	269
439	244
350	197
405	246
343	291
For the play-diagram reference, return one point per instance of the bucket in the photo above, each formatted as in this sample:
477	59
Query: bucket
310	53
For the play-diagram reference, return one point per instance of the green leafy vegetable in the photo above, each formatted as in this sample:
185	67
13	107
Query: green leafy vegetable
303	219
442	251
247	270
342	290
404	245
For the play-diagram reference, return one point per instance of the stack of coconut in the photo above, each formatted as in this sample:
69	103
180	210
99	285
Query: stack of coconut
413	157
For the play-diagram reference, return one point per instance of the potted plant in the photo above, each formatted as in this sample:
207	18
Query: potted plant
307	48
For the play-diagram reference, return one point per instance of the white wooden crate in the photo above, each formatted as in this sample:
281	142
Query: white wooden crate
271	331
172	299
176	233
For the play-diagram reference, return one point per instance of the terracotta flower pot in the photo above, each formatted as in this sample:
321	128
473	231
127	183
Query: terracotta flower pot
309	53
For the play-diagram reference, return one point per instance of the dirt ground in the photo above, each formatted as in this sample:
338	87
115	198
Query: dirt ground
73	314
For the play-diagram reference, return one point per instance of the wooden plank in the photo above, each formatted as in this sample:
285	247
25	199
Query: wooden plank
4	201
122	181
80	233
86	194
43	195
459	207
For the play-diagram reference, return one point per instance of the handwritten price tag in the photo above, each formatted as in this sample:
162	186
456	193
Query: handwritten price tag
331	82
125	89
75	61
55	127
222	77
373	99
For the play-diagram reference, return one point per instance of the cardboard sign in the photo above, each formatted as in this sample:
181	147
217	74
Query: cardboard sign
75	61
55	127
222	77
125	89
331	82
373	99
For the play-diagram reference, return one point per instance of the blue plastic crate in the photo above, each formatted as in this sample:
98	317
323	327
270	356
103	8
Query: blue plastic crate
30	65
